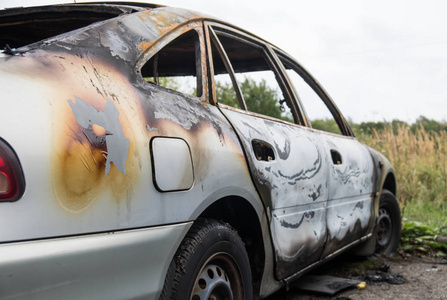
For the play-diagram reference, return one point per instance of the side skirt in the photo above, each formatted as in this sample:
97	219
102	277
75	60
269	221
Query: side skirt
286	282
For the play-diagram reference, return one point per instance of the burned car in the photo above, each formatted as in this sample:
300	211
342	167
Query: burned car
153	152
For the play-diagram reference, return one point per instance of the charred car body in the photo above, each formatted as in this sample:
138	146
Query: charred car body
126	172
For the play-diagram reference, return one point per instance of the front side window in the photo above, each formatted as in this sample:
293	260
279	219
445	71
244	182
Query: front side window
177	65
254	86
316	110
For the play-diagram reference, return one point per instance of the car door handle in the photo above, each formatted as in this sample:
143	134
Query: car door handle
263	150
336	157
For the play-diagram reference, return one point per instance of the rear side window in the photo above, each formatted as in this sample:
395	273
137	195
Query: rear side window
177	65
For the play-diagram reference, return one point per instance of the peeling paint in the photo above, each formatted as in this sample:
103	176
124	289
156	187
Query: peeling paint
98	153
116	145
149	128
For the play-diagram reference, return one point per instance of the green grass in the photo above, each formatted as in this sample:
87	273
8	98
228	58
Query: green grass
426	213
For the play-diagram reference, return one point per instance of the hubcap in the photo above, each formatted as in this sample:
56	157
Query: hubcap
213	284
219	279
384	227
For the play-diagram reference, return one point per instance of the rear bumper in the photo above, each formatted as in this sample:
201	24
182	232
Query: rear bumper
122	265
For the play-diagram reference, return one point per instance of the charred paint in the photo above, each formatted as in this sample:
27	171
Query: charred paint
174	115
94	140
307	215
101	137
283	153
111	141
350	209
158	23
94	155
346	174
315	194
293	186
143	111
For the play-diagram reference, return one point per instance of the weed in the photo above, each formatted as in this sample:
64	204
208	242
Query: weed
420	162
417	237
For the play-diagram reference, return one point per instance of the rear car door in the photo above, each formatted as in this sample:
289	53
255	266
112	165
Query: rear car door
287	161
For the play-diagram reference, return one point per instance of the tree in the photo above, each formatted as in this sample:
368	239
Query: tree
431	126
225	94
328	125
259	98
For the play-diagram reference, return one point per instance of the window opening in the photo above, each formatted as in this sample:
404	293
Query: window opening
225	92
177	66
257	81
316	110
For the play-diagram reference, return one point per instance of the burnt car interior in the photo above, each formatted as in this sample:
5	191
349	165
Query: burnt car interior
263	150
23	26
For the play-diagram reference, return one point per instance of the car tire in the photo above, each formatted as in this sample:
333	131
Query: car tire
388	226
211	263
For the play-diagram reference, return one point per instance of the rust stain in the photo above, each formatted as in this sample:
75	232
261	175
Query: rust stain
163	22
144	45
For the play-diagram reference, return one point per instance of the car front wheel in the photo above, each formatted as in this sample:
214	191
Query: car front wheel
388	224
211	263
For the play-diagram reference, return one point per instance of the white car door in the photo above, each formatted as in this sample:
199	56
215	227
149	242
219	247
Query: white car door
349	209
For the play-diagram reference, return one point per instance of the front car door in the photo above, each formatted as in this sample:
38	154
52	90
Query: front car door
350	177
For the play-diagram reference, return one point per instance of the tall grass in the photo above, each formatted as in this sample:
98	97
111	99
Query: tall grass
420	162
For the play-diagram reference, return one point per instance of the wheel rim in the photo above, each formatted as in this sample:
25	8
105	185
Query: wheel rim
384	227
219	279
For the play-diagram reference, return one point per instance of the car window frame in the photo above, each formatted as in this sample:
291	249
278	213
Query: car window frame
343	125
245	37
165	39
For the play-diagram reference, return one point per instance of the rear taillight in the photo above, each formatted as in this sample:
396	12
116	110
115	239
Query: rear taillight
12	182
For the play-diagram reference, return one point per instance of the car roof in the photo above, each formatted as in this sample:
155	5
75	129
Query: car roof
45	3
50	20
20	26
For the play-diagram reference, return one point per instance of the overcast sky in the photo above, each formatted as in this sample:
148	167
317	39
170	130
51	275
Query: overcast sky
379	60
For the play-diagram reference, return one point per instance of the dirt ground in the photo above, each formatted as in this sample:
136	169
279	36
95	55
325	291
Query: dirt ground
419	278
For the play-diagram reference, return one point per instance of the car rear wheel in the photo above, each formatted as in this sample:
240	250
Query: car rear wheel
388	227
211	263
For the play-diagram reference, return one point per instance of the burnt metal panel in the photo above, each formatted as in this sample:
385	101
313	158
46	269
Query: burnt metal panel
94	116
350	210
22	26
293	187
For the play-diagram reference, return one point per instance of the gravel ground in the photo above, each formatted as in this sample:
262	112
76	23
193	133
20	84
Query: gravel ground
424	278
